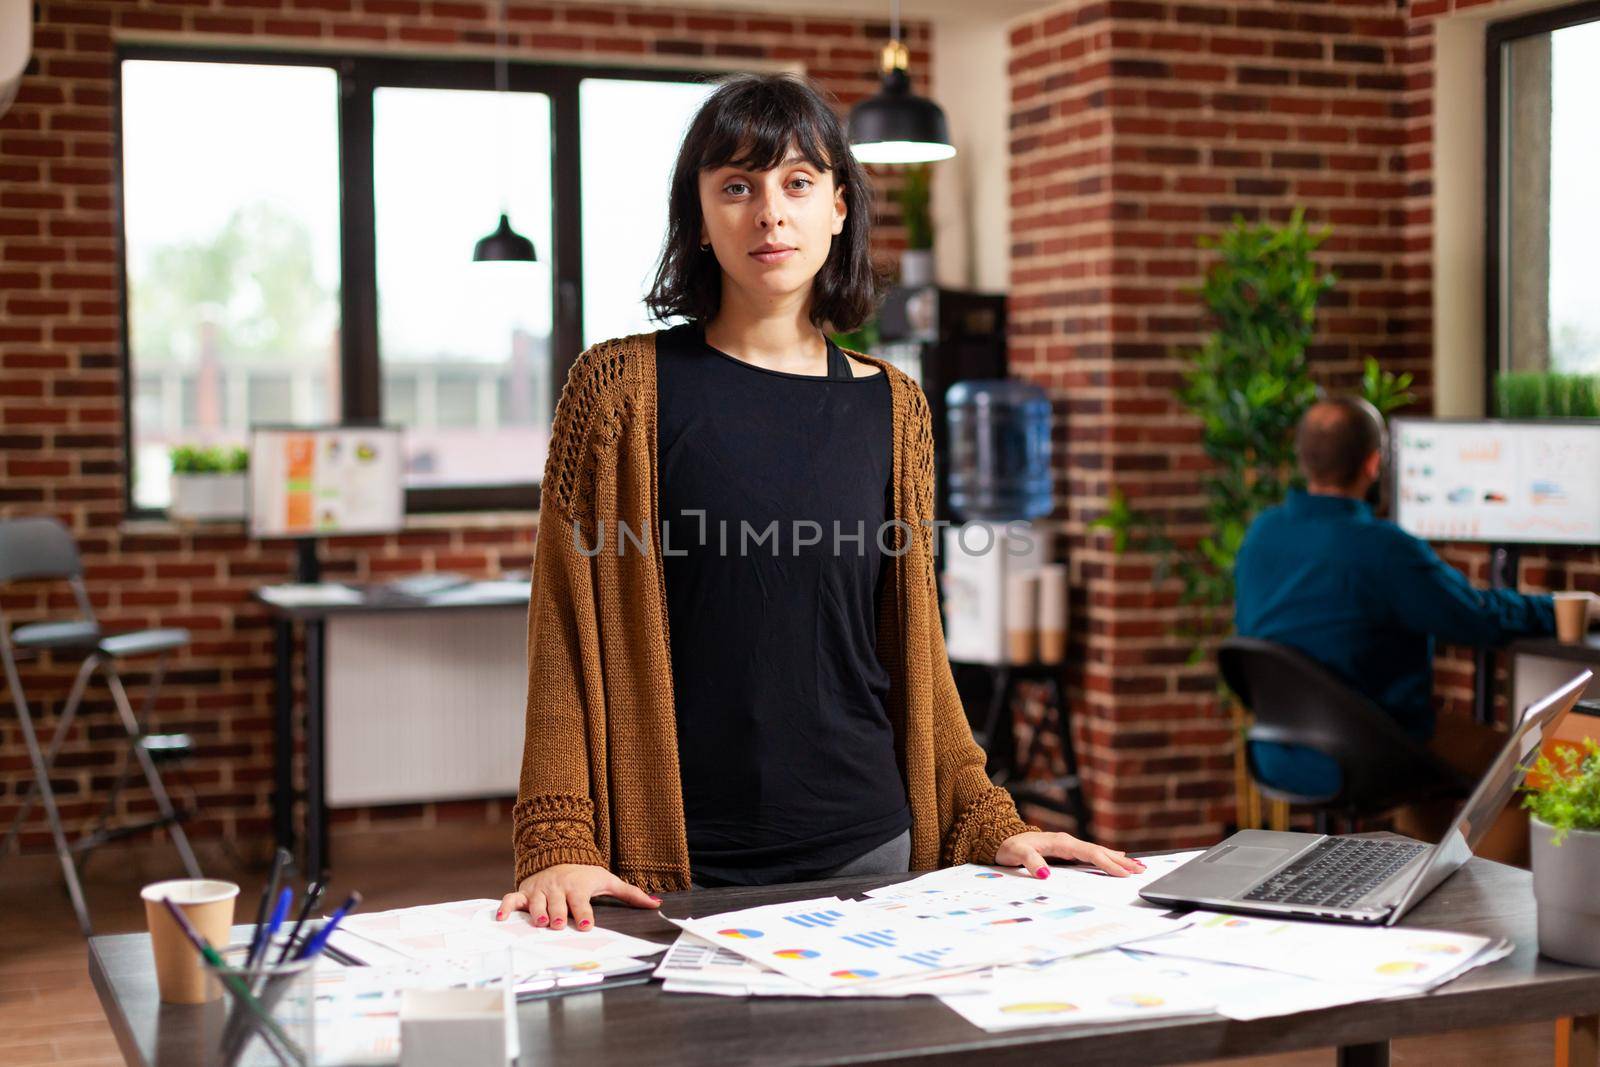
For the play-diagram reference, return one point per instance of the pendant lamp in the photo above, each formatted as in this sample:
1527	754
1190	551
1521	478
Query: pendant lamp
895	125
504	245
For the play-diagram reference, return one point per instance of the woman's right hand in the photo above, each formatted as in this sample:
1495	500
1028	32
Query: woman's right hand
561	894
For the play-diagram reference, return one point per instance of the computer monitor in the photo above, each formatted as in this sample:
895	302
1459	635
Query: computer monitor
326	481
1498	481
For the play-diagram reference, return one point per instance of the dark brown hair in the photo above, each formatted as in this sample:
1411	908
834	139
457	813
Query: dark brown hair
752	121
1334	439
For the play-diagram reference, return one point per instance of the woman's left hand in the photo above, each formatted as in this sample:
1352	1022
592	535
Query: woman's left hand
1030	849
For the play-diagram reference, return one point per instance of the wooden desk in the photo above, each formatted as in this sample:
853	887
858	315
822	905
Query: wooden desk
313	622
642	1025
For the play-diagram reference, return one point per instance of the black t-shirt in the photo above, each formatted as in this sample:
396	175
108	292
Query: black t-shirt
785	748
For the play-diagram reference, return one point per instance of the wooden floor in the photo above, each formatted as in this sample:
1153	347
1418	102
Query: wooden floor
49	1013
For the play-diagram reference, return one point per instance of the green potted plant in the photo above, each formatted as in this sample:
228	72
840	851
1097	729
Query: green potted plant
913	196
1546	395
1563	795
208	484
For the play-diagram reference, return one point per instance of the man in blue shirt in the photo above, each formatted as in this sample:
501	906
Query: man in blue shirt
1365	598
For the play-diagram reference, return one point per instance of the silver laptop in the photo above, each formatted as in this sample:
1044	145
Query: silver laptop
1350	879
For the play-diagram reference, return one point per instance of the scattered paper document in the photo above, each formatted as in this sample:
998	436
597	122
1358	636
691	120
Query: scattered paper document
476	592
1109	889
1092	989
468	927
1392	956
1042	925
695	965
1246	993
313	594
830	943
1086	883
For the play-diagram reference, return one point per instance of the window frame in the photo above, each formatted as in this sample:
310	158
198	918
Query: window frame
1498	35
360	364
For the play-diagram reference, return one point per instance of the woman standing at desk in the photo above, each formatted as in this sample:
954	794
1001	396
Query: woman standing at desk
737	672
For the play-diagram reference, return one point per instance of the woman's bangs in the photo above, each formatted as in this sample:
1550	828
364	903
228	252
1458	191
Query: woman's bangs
763	141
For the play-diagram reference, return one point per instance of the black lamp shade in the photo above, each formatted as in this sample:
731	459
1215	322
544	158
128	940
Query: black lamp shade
895	126
504	245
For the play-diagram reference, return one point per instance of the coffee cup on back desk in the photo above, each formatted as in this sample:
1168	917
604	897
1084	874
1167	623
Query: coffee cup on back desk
1052	613
1572	616
208	905
1022	592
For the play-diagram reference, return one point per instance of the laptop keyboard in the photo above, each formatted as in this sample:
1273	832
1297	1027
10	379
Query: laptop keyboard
1336	873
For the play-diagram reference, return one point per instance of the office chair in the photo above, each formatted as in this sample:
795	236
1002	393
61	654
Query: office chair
1296	701
43	549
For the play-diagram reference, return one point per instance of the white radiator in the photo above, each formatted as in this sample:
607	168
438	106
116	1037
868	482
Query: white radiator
425	706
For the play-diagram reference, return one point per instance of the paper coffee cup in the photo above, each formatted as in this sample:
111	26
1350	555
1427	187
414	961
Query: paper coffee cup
1572	616
1022	594
1052	613
208	905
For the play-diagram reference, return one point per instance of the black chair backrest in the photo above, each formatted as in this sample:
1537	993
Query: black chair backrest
37	548
1295	700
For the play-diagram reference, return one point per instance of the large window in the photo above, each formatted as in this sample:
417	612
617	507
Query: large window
465	347
298	249
231	199
624	221
1544	137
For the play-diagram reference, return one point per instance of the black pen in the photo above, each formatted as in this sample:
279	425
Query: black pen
313	895
257	939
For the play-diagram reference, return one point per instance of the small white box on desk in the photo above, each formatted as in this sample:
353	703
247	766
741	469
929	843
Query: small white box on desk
981	559
461	1027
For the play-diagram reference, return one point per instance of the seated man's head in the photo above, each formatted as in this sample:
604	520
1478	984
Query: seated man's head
1340	445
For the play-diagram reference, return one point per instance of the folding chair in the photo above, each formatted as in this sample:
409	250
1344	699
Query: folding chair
42	549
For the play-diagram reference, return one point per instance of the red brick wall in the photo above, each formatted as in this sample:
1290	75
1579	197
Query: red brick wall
61	386
1137	125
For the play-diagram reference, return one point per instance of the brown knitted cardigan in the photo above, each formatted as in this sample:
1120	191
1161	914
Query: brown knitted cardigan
600	778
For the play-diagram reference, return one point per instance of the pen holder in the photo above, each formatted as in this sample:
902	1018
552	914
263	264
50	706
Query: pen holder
271	1010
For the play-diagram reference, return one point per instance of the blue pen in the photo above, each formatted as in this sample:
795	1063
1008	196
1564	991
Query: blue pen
320	938
280	913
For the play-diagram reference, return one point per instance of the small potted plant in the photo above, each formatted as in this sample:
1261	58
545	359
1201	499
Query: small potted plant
916	261
208	483
1564	796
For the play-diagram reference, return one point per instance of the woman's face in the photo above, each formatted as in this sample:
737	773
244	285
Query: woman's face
771	229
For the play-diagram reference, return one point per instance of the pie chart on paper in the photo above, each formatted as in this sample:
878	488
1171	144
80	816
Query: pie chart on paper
1400	967
1137	1000
797	953
740	933
1039	1007
859	972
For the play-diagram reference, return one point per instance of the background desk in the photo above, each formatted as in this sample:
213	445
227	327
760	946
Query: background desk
641	1024
403	700
1541	664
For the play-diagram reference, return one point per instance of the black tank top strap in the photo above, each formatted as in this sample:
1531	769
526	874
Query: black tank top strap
838	362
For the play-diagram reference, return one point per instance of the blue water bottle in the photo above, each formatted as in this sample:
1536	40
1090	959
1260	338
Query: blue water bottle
999	460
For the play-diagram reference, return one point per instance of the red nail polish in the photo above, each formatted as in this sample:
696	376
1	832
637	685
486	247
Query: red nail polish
543	919
584	925
1043	872
499	915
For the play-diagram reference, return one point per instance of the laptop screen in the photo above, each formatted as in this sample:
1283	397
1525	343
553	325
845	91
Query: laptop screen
1493	791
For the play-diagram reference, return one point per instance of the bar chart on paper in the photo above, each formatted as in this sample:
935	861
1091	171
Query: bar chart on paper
817	920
